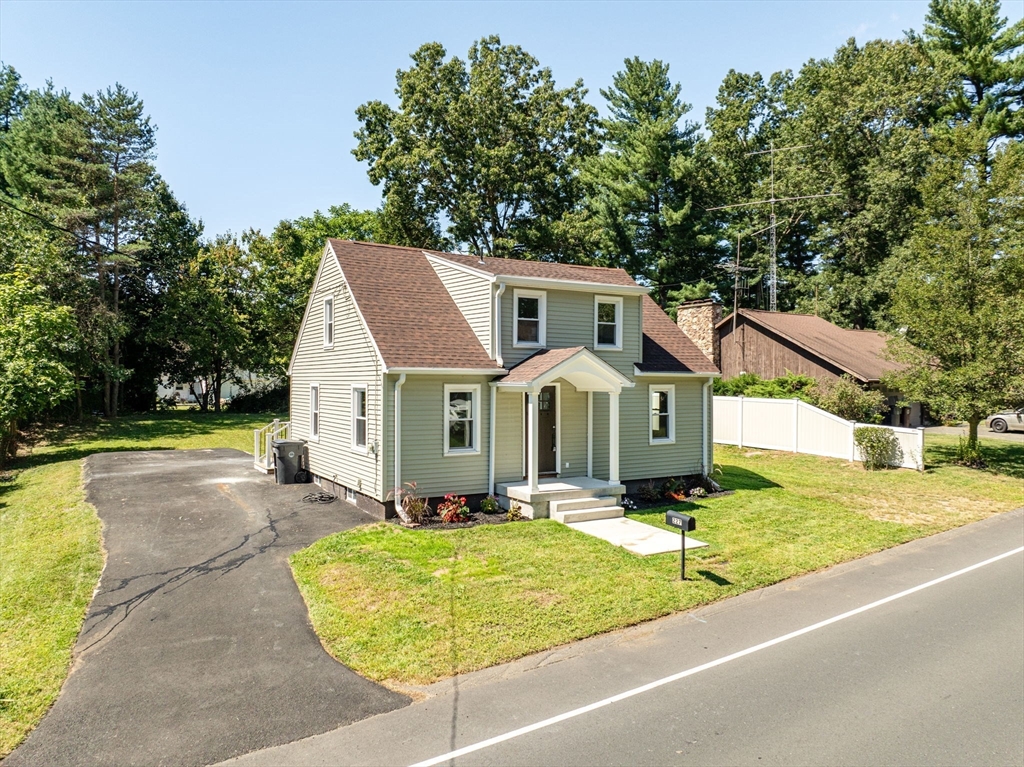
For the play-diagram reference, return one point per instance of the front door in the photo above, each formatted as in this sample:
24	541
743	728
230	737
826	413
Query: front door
547	432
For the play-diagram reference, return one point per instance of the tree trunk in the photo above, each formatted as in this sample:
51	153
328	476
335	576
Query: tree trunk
218	373
972	432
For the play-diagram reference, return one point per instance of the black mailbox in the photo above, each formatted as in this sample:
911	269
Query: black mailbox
685	523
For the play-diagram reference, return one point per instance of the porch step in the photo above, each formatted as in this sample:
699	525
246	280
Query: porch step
583	502
587	515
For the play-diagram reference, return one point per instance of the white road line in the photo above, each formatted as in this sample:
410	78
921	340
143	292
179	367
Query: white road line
697	669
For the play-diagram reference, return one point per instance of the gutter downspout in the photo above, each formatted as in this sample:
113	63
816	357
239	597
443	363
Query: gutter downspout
704	436
490	446
497	328
398	435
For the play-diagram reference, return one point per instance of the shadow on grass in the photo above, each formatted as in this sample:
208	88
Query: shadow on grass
1001	456
148	431
714	578
736	478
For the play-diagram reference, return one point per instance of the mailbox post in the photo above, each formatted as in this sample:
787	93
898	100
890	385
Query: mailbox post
685	524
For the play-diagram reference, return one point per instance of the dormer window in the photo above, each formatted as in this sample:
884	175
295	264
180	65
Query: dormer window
530	324
607	322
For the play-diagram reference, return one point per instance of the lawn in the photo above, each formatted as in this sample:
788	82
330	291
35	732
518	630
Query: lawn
409	607
51	551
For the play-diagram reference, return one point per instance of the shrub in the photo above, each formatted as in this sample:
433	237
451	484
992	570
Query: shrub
414	508
453	508
878	446
490	505
271	400
969	454
846	399
628	503
649	492
698	492
515	512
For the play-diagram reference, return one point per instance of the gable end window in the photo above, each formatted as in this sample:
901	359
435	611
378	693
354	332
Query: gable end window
607	322
663	414
328	322
314	412
462	419
530	327
359	418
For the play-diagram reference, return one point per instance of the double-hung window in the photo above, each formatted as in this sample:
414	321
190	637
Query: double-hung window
607	322
359	417
328	322
663	414
531	323
462	419
314	412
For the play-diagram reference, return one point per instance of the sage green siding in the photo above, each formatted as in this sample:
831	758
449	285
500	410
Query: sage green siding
472	294
352	360
638	459
508	437
570	322
423	431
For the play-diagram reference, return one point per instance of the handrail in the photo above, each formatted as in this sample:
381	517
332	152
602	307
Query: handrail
262	439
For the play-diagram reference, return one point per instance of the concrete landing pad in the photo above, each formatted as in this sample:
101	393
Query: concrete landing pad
635	536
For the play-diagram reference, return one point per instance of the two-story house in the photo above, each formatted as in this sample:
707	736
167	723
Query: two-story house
552	385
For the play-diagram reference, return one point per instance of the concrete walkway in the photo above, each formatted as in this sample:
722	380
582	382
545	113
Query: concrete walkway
635	536
197	646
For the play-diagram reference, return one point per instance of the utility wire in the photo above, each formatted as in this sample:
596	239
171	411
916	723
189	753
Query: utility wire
82	240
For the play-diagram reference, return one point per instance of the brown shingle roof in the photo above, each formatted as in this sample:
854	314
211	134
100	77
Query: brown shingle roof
511	267
538	364
667	349
413	320
858	352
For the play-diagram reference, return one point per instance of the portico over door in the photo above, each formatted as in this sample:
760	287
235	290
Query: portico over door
547	431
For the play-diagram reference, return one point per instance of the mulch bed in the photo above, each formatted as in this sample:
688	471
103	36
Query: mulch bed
644	505
477	518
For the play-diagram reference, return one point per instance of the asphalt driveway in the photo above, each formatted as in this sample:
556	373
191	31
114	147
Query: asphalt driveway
197	645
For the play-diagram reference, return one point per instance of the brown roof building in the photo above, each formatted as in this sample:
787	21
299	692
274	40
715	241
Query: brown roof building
772	344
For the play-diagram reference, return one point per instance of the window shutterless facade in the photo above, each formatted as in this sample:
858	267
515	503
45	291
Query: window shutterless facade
359	418
328	322
607	322
663	414
462	419
530	327
314	412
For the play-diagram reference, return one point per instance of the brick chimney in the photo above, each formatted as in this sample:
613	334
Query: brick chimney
697	319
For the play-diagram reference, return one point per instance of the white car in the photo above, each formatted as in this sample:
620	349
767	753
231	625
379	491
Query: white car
1007	420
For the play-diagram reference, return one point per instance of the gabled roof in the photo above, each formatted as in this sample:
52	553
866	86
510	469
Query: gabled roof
544	270
537	364
857	352
413	320
667	349
576	364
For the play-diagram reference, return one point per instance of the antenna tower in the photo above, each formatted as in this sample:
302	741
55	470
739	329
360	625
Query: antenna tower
773	264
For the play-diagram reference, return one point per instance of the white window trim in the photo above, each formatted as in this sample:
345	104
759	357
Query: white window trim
617	300
315	437
671	389
352	423
542	311
475	388
350	496
333	323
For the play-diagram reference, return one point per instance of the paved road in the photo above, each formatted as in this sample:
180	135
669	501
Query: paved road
983	432
934	677
197	646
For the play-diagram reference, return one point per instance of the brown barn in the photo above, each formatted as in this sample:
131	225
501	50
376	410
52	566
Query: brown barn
770	344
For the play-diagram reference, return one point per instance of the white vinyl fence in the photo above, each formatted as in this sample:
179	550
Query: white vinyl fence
789	424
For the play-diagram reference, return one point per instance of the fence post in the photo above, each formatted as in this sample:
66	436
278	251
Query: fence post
796	425
256	444
853	441
920	448
739	426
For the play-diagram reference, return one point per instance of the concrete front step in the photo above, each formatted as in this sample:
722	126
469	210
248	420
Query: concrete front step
587	515
587	502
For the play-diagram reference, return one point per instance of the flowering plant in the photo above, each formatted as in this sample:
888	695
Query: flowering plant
628	503
490	505
453	508
698	492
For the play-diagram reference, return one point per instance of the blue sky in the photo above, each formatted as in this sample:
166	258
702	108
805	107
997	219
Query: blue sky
255	102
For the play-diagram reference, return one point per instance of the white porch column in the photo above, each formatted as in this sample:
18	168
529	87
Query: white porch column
590	434
613	437
531	437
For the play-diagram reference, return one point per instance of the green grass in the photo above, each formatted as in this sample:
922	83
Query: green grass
412	606
51	552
